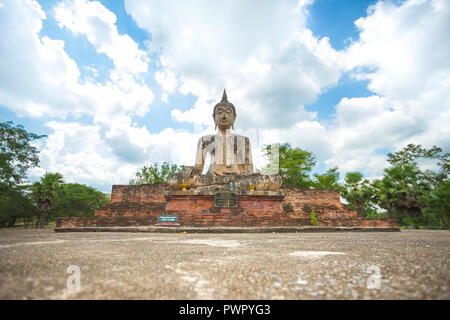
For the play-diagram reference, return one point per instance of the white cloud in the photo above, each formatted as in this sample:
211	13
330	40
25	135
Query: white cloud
79	154
404	52
39	78
167	80
98	24
407	45
100	156
270	64
165	97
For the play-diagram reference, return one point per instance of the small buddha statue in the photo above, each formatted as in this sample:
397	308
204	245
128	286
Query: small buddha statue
230	159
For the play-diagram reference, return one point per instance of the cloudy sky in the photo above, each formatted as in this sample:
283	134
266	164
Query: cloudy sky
118	84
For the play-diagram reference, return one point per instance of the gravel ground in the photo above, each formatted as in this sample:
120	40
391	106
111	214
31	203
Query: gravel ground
412	264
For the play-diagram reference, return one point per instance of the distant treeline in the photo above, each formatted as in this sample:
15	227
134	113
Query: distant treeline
43	201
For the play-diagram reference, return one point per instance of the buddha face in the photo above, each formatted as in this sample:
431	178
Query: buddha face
224	117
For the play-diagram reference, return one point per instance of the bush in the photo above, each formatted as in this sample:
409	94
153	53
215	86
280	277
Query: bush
313	217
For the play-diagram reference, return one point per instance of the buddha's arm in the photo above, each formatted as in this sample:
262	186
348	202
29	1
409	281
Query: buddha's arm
248	156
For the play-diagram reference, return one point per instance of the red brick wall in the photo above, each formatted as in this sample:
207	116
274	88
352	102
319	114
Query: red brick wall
141	204
299	202
360	222
229	217
72	222
131	209
251	211
135	201
139	193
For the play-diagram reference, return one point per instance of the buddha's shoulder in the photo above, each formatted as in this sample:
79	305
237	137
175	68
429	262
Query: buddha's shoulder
239	136
208	137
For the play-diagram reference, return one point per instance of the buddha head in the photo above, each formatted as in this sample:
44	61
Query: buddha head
224	113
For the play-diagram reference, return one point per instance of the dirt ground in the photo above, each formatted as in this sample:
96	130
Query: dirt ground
42	264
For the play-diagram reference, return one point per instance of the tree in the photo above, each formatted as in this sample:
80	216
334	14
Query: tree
427	197
295	164
17	154
359	193
46	194
79	200
153	173
401	192
437	205
14	203
411	153
328	180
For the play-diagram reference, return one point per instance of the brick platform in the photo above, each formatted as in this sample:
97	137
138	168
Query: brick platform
140	205
152	229
252	210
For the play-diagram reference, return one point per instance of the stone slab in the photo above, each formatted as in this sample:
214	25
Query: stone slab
286	229
212	191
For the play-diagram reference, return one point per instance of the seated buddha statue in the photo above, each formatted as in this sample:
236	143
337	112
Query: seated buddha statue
230	159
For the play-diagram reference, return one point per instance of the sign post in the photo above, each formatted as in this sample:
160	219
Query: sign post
167	220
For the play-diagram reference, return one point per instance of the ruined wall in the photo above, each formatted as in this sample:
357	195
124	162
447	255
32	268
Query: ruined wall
251	211
136	205
145	200
139	193
71	222
326	203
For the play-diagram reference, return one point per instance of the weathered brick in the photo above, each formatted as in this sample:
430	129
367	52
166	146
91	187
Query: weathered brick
141	204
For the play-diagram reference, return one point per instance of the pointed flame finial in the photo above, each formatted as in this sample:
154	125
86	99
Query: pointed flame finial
224	96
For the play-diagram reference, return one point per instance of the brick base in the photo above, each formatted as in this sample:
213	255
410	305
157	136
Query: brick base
114	221
198	210
140	205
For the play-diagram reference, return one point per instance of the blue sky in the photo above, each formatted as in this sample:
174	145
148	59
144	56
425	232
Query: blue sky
119	84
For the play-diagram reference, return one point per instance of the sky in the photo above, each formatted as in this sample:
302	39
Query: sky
116	85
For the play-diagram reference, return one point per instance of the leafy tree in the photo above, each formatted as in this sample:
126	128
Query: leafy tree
401	192
328	180
14	203
429	192
46	194
295	164
17	155
79	200
154	173
411	153
359	193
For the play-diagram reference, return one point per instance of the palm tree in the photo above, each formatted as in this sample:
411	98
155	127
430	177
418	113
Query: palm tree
401	192
46	194
358	193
